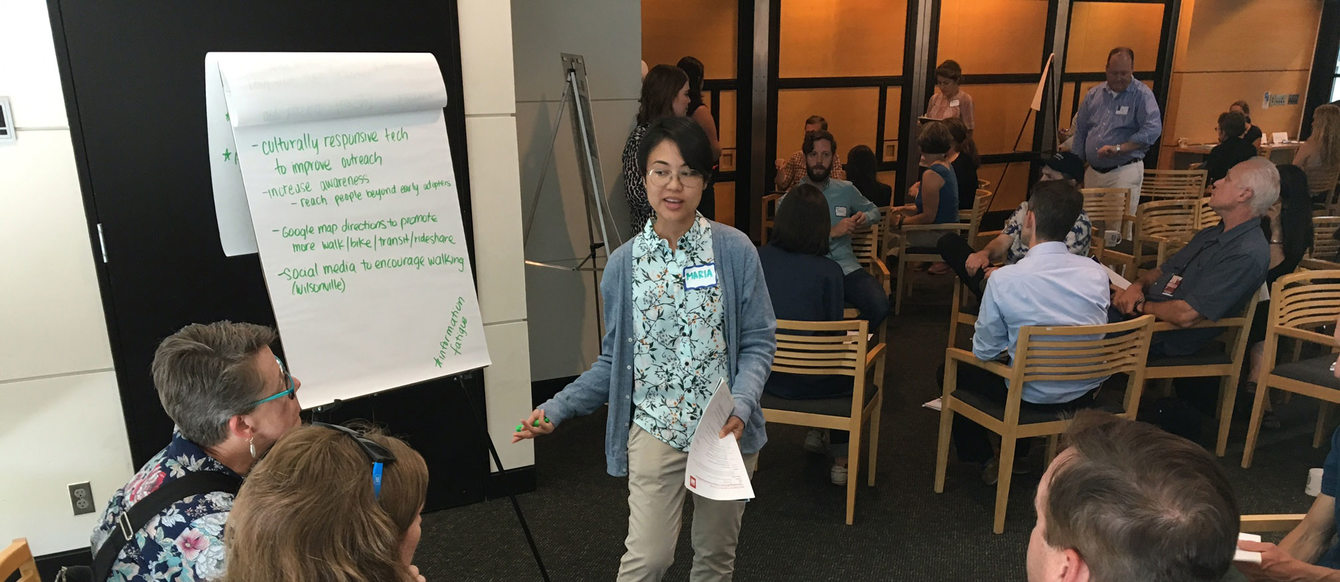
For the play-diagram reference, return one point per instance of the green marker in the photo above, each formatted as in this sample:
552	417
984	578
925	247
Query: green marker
519	427
536	422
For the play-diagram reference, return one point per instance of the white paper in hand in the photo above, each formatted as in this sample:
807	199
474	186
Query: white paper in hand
1241	555
715	467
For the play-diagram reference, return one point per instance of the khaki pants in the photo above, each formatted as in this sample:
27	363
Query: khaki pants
655	511
1130	176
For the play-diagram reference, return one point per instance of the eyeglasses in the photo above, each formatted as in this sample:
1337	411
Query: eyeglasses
691	179
291	392
376	453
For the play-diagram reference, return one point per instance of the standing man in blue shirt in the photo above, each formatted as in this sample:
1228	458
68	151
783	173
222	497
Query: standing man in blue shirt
848	211
1115	125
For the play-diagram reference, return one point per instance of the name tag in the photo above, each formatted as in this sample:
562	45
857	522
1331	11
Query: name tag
840	211
1173	284
1123	110
953	103
700	276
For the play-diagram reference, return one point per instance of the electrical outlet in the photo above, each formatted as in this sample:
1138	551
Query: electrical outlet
81	498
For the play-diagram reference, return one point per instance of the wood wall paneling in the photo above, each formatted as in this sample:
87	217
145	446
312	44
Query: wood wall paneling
1010	191
1261	35
852	116
705	29
1003	36
725	119
840	38
1000	110
893	109
1097	27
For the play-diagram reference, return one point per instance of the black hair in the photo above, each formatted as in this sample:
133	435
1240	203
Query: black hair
807	146
801	225
1055	206
1295	211
659	89
860	168
694	69
1232	123
934	138
687	135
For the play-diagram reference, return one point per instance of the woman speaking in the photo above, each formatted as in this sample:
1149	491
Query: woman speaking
671	337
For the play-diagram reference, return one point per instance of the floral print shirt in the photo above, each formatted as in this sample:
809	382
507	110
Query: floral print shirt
1077	241
634	179
183	543
679	352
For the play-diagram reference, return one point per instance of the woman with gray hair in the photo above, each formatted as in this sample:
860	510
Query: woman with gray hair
230	398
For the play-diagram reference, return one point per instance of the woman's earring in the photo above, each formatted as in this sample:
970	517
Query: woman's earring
251	444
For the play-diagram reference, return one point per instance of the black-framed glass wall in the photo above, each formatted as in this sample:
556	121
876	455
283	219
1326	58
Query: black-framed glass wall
860	64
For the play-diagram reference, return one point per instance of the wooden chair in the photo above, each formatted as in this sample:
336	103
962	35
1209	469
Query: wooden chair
961	313
1042	353
1325	247
18	558
865	243
832	348
1300	303
1163	184
1321	184
909	254
769	215
1108	209
1221	358
983	184
1270	522
1157	224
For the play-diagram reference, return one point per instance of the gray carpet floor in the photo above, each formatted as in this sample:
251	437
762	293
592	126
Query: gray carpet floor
794	529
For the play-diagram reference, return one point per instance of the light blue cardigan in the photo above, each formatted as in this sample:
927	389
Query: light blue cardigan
750	342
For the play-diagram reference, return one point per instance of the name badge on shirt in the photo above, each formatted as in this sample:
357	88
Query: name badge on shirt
1123	110
700	276
1173	284
840	211
953	103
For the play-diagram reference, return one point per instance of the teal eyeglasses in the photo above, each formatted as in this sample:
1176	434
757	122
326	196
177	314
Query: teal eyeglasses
291	391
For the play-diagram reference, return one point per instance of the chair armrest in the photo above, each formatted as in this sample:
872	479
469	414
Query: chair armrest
1318	264
876	352
967	357
881	269
1270	522
989	233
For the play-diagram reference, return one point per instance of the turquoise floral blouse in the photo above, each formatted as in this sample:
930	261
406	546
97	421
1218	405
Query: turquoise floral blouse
679	352
183	543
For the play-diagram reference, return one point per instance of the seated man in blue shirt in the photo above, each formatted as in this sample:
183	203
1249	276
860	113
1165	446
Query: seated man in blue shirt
1304	553
1049	286
1217	272
848	211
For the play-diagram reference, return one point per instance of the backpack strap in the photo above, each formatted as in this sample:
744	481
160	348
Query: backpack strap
139	514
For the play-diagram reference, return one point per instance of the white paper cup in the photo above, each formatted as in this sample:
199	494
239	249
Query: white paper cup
1313	488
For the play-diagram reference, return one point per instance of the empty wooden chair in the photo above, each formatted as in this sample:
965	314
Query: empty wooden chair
1157	224
832	348
1321	182
769	215
1042	353
1108	209
1300	304
909	254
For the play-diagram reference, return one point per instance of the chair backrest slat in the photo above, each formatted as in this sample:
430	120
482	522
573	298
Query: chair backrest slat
1172	184
1083	351
1324	244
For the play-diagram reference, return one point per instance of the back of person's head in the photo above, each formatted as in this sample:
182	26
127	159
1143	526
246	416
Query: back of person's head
309	511
1137	503
206	373
1295	210
817	120
694	69
1326	127
934	138
1259	174
801	225
860	165
1232	123
951	70
1055	206
687	135
659	89
963	141
1067	164
1240	104
807	146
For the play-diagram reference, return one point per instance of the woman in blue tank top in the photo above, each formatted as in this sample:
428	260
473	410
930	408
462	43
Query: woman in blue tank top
938	202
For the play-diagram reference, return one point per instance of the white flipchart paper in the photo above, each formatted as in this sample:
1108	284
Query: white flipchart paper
352	199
